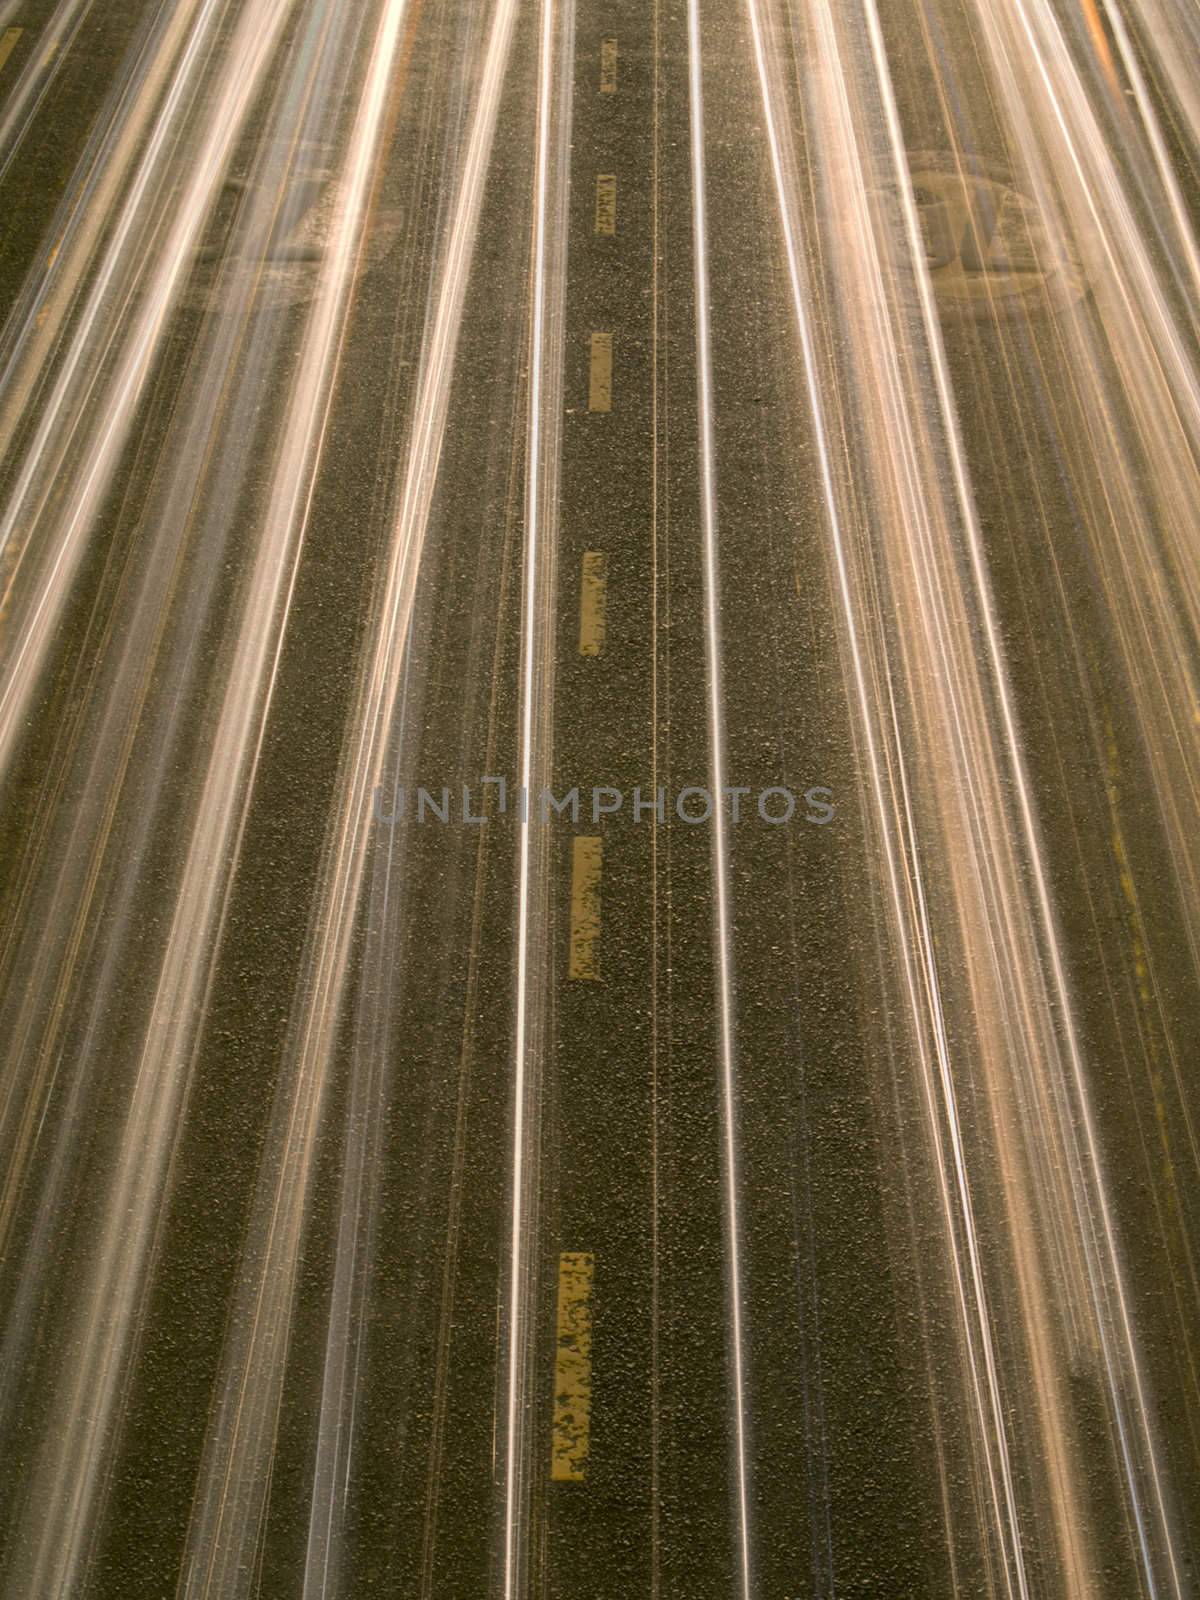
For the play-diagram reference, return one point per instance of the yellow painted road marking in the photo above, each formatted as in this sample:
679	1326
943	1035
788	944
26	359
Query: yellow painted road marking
593	602
600	379
586	860
608	66
8	42
572	1369
606	202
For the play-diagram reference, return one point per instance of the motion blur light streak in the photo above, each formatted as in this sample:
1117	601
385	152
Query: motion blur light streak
407	393
716	743
533	962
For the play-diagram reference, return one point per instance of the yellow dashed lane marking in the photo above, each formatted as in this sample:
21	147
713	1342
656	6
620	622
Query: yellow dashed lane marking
8	43
593	602
606	203
600	376
608	66
572	1369
586	861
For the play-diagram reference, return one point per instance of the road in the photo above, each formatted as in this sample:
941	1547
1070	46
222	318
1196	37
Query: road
410	1188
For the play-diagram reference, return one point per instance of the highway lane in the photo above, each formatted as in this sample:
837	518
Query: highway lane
60	59
1085	721
590	397
258	1025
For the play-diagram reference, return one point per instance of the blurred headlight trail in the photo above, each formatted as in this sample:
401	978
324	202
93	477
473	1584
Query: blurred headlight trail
599	776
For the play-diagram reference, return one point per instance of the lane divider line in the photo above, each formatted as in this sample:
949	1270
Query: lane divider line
606	203
593	602
571	1434
8	43
546	370
723	918
600	373
608	66
587	852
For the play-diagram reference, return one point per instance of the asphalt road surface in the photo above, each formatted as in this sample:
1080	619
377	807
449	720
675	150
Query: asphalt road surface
599	786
